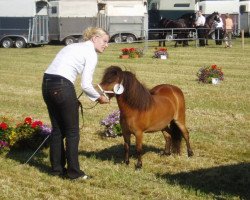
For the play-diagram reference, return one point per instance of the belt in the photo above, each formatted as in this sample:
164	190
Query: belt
55	78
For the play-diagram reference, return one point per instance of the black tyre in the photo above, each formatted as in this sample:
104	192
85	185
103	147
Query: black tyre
69	40
130	39
117	39
7	43
20	43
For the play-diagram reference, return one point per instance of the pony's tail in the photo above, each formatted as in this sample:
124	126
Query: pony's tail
176	137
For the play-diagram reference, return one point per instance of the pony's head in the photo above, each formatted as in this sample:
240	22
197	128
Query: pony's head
111	77
189	18
215	16
124	85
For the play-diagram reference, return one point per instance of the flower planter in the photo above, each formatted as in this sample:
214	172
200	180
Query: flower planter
163	57
215	81
124	56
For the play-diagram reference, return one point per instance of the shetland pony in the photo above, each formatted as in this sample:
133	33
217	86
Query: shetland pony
141	110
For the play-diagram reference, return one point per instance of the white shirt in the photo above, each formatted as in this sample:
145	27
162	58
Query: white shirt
218	24
200	21
74	59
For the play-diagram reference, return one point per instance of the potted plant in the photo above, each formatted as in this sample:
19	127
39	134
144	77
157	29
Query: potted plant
112	124
161	53
210	74
131	53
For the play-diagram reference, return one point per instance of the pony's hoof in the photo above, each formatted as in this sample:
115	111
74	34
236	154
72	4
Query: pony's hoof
164	153
138	166
127	162
190	153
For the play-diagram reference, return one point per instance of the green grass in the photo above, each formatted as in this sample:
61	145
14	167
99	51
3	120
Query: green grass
217	117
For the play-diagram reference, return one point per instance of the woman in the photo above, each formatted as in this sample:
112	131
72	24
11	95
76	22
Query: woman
61	100
229	31
200	22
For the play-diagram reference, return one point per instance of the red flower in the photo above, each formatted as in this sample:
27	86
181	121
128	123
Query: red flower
163	49
125	51
36	124
132	49
3	125
214	66
28	120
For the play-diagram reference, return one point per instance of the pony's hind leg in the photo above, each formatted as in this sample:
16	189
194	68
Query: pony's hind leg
167	135
185	134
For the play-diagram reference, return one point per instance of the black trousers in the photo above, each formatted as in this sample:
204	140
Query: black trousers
201	35
62	104
218	36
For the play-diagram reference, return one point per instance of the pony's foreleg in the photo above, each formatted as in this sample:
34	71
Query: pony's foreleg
126	137
185	134
139	137
167	135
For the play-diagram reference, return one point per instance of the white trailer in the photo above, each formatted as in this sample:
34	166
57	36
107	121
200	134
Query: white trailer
124	20
245	16
23	23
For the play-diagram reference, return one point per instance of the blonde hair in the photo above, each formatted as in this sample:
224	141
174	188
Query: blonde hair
93	31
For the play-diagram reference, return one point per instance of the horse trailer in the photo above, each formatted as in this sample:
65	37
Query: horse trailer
23	23
124	20
245	16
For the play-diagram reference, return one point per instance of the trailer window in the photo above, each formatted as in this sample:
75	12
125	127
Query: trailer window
243	8
54	10
182	5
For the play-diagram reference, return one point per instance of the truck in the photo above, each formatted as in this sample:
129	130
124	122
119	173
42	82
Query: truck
126	21
23	23
245	16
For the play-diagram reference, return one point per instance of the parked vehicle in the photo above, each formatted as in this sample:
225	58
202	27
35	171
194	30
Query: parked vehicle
23	23
124	20
245	16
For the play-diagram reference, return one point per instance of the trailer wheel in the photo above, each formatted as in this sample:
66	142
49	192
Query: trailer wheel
7	43
20	43
69	40
130	39
117	39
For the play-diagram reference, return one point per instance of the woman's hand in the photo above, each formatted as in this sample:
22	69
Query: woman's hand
102	99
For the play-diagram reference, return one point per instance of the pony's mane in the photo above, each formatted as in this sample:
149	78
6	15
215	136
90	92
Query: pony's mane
136	95
210	18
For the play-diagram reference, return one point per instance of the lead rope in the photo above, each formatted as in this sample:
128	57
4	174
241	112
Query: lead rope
81	109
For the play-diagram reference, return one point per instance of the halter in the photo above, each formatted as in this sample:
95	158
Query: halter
117	89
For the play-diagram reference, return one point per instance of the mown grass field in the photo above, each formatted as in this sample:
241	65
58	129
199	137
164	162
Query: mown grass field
217	118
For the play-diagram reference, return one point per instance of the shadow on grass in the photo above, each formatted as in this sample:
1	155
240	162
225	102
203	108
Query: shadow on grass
228	179
116	153
22	156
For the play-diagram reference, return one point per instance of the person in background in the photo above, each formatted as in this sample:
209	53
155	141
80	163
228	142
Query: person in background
229	31
218	25
200	22
60	97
